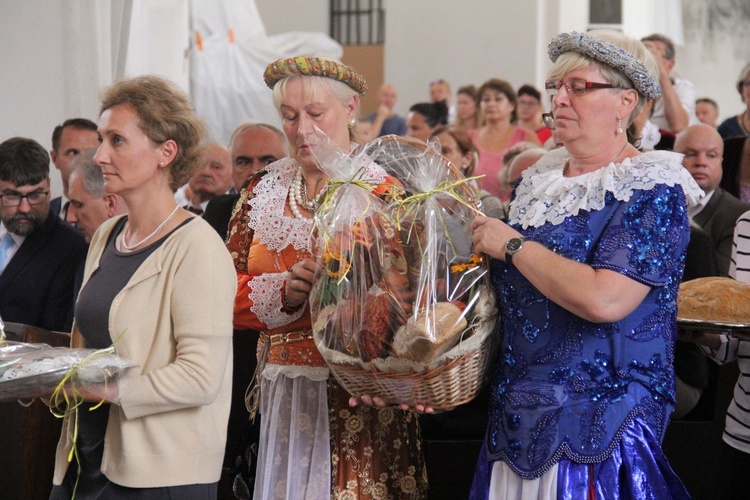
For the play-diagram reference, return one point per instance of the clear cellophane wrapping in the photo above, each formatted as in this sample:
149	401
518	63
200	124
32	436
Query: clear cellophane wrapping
29	371
401	305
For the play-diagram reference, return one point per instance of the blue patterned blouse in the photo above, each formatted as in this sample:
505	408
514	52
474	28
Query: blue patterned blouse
566	388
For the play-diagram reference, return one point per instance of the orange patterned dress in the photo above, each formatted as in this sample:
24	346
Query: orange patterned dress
313	445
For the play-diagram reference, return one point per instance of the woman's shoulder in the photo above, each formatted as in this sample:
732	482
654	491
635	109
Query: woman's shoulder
102	233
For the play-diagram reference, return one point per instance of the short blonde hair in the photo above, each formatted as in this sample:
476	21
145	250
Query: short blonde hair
570	61
314	85
164	113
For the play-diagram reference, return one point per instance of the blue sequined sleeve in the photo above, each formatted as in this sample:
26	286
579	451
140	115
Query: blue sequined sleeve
646	236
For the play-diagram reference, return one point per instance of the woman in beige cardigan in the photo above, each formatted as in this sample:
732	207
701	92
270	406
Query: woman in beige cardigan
159	284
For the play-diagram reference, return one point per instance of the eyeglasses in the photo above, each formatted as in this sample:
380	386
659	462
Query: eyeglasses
576	86
15	199
745	84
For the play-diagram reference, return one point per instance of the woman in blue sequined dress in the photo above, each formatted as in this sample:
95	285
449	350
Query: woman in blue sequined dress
587	272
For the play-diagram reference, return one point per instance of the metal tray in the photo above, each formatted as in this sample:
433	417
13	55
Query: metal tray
700	325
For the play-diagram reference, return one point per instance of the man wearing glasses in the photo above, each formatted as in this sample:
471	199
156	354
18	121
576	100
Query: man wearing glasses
39	253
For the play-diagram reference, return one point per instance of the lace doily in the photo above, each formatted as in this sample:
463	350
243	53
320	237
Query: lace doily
544	195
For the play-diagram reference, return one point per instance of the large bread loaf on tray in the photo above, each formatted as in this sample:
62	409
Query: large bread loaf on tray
714	299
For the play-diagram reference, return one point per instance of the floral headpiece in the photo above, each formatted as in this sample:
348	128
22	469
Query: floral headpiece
609	54
314	66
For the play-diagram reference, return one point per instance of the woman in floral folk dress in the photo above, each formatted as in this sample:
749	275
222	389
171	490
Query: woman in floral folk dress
313	445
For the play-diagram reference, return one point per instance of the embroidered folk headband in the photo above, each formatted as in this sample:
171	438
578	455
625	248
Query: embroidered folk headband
609	54
314	66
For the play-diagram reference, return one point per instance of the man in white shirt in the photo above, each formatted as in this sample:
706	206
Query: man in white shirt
718	210
675	109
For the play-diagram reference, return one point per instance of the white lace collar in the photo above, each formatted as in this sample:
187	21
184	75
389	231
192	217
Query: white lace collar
544	195
274	229
277	230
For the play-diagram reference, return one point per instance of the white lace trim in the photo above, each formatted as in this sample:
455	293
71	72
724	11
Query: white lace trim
274	229
544	195
315	373
265	292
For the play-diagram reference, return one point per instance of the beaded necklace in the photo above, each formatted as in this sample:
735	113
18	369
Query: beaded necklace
296	197
127	247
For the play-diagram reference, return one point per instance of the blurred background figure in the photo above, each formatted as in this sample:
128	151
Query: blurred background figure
467	109
675	109
90	205
736	167
252	147
529	112
458	147
707	111
384	120
739	126
69	139
718	210
214	178
424	118
440	91
497	101
520	162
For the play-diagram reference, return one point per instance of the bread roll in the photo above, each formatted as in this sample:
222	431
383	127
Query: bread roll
430	334
714	299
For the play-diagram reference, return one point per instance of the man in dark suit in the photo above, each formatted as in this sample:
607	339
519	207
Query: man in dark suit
39	253
252	147
69	139
718	210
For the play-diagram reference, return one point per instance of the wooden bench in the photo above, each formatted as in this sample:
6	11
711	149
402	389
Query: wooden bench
28	434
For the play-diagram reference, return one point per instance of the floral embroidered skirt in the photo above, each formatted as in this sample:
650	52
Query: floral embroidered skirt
314	446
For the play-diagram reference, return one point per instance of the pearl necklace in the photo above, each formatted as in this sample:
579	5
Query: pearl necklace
158	228
296	197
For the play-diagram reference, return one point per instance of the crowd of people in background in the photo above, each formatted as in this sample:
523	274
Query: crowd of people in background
490	130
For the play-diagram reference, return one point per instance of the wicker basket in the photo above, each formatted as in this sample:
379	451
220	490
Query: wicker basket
453	379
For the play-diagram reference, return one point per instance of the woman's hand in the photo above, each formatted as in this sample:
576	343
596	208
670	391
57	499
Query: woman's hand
378	402
491	235
299	282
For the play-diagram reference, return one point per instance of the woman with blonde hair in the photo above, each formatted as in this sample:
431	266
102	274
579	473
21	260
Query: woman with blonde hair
586	273
312	444
159	285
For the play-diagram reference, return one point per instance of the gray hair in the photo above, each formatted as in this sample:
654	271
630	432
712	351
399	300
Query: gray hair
252	125
93	179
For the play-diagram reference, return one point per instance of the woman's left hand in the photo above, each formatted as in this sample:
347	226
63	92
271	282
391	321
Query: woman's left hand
491	235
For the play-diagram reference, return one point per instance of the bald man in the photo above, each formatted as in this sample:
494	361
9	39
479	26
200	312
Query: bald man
211	180
385	121
252	147
718	210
